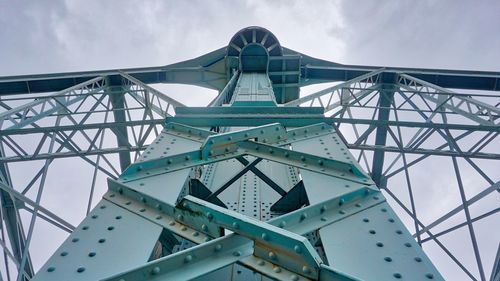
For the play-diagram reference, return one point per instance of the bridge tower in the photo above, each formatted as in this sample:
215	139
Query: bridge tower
263	183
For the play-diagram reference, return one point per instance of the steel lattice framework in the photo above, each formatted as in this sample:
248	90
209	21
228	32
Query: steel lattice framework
262	183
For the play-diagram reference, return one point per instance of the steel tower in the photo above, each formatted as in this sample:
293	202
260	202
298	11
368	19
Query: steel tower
262	183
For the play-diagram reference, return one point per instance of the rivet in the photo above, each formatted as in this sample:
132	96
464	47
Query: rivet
102	240
172	223
408	245
287	154
188	258
80	269
358	205
341	201
51	269
158	217
323	219
265	236
282	224
236	253
184	228
294	277
388	259
92	254
303	216
342	212
303	158
196	233
261	262
429	276
229	138
180	217
417	259
204	227
187	157
297	249
322	209
380	244
271	150
372	231
218	247
63	254
320	162
118	217
85	227
277	269
210	216
111	228
399	232
366	220
306	269
236	225
375	197
272	255
397	275
75	240
94	216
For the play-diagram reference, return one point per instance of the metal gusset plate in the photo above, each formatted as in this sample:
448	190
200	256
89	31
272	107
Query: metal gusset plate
378	240
110	240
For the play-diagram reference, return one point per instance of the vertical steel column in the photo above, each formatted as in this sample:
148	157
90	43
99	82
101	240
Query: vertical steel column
385	101
117	97
10	216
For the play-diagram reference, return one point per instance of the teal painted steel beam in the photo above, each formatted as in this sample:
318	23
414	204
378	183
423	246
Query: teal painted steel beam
117	100
385	102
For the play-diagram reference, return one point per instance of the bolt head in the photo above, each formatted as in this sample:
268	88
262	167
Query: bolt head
155	270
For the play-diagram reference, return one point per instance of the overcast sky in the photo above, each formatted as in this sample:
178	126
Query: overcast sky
60	36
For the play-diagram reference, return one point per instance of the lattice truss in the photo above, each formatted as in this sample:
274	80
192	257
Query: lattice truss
89	124
432	151
439	144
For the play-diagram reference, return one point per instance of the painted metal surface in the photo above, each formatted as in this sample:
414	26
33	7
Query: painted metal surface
260	185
